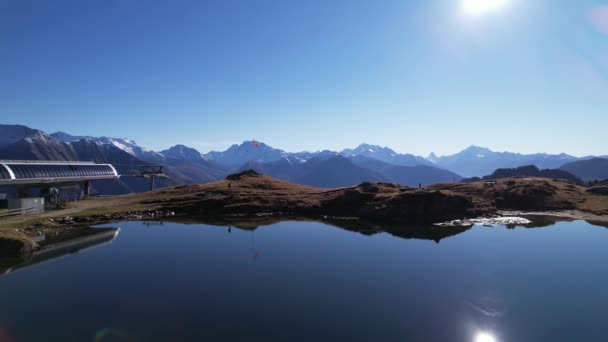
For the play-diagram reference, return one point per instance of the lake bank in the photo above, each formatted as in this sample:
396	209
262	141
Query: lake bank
252	195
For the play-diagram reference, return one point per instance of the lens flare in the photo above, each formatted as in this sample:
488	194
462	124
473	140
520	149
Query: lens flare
4	335
599	18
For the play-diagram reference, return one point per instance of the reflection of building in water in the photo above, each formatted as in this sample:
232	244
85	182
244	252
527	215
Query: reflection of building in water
90	238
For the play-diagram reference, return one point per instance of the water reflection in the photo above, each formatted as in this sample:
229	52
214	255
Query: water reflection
309	281
598	223
81	239
411	231
404	231
60	245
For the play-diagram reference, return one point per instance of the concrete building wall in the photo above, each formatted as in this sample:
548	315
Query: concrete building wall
27	205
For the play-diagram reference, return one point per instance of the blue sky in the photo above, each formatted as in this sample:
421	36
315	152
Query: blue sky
417	76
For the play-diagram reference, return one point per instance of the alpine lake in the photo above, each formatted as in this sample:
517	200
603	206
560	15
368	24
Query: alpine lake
265	280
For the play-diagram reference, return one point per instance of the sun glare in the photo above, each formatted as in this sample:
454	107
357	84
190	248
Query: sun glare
484	337
479	7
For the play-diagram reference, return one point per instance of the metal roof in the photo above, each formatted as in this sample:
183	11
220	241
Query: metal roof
45	162
49	172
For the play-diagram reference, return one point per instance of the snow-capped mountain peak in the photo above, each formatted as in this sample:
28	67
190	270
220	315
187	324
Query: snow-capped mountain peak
385	154
433	157
247	151
183	152
127	145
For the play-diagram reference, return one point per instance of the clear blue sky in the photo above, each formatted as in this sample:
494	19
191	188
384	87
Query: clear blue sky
417	76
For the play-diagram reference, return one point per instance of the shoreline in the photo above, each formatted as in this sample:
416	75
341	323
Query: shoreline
254	196
564	214
23	241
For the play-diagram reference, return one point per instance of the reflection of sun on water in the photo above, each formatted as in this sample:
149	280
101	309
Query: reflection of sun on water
484	337
479	7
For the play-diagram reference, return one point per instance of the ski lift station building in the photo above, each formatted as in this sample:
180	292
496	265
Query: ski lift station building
46	174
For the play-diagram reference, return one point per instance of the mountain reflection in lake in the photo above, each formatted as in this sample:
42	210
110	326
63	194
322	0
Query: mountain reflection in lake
305	280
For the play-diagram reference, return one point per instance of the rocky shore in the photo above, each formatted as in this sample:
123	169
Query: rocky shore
252	195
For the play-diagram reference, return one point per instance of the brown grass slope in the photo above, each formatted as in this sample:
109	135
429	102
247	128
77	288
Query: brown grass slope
252	193
530	194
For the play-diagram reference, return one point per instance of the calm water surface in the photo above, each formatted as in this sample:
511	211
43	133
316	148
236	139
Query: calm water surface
308	281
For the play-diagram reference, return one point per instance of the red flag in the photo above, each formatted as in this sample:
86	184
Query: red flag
255	144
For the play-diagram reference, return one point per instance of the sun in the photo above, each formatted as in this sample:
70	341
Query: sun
484	337
479	7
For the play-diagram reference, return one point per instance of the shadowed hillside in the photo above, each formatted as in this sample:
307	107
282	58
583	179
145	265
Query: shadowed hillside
589	170
528	171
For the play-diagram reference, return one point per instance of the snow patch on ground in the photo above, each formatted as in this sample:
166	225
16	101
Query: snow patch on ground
488	222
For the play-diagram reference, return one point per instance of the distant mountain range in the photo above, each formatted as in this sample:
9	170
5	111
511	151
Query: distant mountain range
477	161
186	165
23	143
